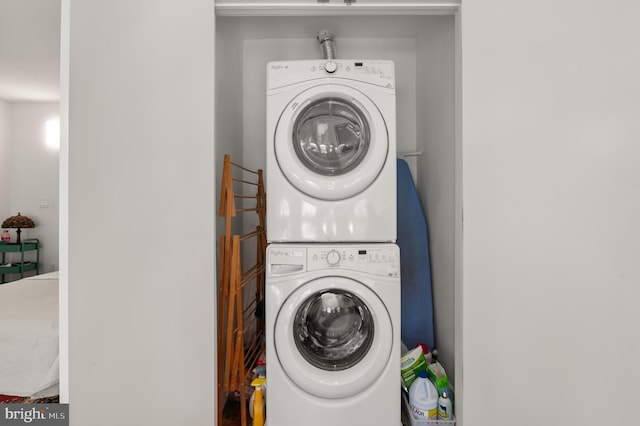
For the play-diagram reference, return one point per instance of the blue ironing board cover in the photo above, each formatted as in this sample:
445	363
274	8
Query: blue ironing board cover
413	240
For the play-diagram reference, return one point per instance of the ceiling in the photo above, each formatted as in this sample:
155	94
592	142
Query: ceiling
29	50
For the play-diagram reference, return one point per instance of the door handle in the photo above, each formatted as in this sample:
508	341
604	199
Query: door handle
285	268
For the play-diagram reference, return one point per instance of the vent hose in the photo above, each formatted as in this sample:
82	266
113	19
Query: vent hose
327	45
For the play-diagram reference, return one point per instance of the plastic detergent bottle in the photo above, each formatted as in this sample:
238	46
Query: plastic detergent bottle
445	409
423	398
258	402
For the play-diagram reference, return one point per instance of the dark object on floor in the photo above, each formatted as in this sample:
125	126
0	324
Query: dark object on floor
260	310
231	414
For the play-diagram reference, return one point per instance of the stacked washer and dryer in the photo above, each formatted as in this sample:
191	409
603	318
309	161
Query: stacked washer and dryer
332	296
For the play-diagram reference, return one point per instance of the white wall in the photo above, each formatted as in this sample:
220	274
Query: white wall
436	172
34	176
5	158
228	105
551	212
141	212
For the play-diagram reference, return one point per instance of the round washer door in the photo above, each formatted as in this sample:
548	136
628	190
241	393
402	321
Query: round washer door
331	142
333	337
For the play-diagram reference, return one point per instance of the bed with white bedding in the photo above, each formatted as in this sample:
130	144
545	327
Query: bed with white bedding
29	356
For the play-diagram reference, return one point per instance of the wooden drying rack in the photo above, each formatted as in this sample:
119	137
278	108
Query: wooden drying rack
240	328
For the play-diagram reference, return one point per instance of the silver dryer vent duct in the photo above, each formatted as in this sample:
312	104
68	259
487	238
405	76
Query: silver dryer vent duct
327	45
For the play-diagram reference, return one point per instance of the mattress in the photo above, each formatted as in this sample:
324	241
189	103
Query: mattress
29	356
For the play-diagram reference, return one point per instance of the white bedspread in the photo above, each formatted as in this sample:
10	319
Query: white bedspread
29	363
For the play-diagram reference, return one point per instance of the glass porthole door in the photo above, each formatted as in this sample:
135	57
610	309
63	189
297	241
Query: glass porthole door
331	142
333	330
333	337
331	136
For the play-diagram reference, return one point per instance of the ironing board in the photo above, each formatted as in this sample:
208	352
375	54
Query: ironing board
413	240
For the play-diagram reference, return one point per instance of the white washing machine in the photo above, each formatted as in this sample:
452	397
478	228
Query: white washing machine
331	151
333	335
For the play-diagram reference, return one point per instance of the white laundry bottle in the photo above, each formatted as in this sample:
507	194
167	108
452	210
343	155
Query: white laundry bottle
423	398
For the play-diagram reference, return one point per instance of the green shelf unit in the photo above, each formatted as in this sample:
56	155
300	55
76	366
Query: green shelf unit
23	265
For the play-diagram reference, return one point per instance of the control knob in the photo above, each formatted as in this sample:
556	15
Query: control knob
333	258
330	67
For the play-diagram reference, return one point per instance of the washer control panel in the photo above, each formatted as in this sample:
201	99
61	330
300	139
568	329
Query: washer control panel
377	259
285	73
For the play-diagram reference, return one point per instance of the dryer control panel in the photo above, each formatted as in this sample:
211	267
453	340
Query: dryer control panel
284	73
378	259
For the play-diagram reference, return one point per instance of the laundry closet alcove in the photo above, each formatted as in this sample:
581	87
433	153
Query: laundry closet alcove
422	38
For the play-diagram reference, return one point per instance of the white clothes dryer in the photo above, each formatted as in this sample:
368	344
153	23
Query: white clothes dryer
333	334
331	151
